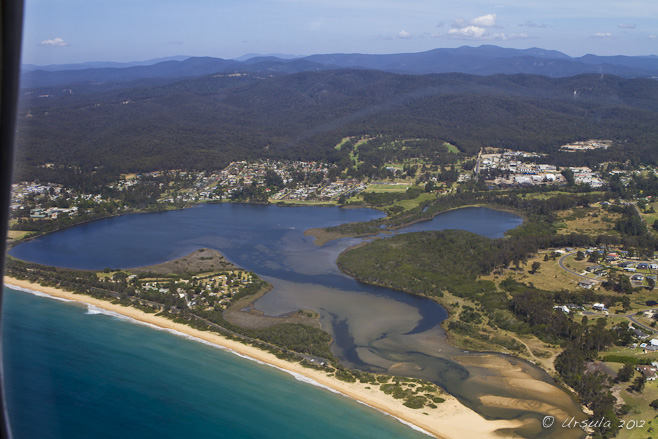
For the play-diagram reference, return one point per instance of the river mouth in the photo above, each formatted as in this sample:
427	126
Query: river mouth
374	329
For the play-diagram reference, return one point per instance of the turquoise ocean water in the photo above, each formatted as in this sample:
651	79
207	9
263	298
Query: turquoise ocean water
74	372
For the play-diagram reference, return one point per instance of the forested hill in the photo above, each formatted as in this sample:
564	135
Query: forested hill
209	121
483	60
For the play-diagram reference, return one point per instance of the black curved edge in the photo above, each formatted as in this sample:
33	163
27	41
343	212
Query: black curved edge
11	30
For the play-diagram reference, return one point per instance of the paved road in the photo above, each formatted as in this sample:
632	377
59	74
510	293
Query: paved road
642	325
562	266
630	317
590	313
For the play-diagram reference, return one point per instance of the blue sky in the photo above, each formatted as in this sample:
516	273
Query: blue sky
69	31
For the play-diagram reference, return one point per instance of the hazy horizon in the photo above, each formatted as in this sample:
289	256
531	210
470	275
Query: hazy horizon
75	31
287	56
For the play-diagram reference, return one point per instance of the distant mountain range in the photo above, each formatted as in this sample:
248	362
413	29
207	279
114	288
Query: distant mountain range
99	64
482	60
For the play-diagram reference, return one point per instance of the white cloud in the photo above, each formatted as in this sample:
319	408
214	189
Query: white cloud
627	26
653	37
404	34
467	32
55	42
488	20
478	29
483	21
602	35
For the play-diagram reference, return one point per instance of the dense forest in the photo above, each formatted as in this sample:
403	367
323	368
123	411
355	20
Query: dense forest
204	123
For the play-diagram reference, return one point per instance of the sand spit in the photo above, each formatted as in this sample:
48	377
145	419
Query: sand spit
450	420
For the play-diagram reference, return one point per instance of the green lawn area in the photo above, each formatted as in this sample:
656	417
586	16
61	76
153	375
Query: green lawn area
342	142
571	262
545	195
388	187
410	204
451	148
650	218
18	234
629	352
641	419
587	220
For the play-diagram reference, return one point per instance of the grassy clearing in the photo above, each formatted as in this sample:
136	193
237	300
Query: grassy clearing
572	263
342	142
651	218
588	220
545	195
393	187
542	195
640	411
630	352
411	204
17	234
451	148
549	277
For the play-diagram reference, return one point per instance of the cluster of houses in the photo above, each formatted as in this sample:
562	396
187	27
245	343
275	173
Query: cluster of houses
24	195
324	192
584	175
199	292
638	271
52	212
20	192
239	174
586	145
197	187
520	168
246	173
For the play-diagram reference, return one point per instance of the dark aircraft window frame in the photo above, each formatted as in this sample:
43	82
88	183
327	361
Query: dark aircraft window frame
11	29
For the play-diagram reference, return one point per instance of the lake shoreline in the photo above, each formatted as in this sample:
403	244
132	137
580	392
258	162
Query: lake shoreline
322	236
450	420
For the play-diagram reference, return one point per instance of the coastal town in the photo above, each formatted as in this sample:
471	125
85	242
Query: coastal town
611	282
272	181
330	220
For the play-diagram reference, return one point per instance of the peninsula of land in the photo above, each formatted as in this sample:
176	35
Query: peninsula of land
449	420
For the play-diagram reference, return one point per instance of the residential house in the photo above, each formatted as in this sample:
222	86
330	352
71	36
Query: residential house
600	307
639	334
649	372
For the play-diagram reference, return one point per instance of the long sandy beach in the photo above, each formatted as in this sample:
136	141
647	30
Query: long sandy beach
450	420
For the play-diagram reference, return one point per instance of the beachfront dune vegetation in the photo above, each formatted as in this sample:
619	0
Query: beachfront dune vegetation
283	337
